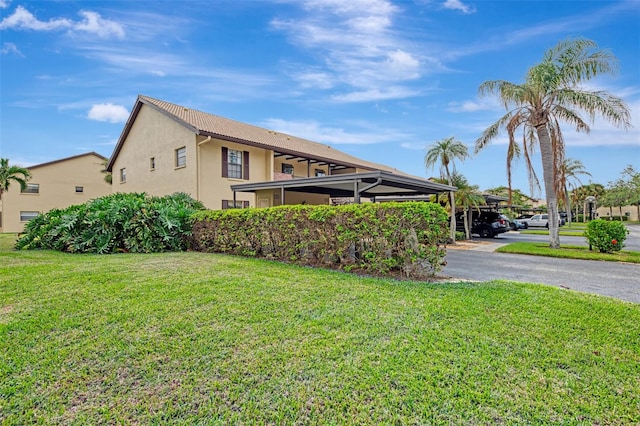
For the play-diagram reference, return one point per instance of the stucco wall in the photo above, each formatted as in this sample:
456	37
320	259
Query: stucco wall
153	135
57	189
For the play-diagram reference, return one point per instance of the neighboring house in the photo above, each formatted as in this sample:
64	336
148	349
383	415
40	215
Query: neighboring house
56	184
630	212
166	148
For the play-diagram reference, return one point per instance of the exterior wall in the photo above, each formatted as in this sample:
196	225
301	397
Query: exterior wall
630	211
153	135
57	189
213	188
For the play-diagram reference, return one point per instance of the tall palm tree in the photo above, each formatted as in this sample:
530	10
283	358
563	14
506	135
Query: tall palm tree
566	177
552	93
9	174
445	152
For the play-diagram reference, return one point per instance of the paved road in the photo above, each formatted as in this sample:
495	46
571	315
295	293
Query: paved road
619	280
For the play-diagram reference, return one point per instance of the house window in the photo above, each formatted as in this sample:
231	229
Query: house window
79	189
287	168
152	163
228	204
27	216
181	157
235	164
123	175
320	172
32	188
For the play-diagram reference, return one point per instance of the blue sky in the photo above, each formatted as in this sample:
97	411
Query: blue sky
378	79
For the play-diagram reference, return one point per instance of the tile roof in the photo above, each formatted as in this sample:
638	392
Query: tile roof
212	125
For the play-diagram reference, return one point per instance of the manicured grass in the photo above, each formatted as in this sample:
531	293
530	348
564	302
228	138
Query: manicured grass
567	232
569	252
197	338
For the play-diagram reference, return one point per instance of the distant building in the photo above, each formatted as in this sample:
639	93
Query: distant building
56	184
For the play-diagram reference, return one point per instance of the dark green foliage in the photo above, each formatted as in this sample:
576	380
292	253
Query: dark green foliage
607	236
377	238
115	223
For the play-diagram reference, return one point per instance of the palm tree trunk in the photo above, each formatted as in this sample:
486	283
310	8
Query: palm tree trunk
452	206
467	231
547	154
568	198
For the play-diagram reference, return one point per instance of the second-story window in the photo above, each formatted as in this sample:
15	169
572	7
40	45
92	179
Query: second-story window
235	164
123	175
287	168
32	188
181	157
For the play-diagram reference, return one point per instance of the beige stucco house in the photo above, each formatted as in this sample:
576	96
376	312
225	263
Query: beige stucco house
166	148
56	184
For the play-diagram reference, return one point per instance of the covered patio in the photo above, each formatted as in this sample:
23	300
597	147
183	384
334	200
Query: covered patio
353	185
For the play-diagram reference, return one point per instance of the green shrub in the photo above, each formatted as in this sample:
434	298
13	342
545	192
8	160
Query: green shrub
114	223
377	238
606	236
460	236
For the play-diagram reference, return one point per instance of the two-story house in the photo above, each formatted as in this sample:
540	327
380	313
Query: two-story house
166	148
55	184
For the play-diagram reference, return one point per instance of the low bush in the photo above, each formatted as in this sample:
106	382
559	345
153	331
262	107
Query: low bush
606	236
376	238
133	222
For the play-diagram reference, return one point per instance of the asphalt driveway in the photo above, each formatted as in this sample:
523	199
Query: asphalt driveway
480	263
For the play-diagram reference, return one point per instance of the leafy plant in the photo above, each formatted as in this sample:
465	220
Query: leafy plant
606	236
133	222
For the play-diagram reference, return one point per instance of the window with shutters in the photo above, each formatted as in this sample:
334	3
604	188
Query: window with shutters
235	164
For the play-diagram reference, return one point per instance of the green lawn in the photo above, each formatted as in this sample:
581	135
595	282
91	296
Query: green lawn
569	252
197	338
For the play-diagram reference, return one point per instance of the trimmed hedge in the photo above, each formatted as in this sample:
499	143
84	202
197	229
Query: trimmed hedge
375	238
606	235
133	222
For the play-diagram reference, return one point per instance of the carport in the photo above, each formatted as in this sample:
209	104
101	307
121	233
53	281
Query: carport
357	185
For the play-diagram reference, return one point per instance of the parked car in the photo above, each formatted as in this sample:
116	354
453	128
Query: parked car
486	224
541	221
515	224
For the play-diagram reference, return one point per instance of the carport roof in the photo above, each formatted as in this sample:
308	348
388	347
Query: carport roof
368	184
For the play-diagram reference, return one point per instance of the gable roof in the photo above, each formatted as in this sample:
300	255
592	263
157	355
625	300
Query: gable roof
67	159
205	124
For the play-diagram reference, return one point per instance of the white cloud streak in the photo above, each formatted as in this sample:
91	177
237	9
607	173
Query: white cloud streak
8	48
458	5
357	47
312	130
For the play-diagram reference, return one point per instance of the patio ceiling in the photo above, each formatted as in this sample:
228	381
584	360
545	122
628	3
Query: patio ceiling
356	185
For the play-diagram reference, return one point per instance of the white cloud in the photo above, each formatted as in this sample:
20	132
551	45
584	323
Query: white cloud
10	48
108	112
312	130
458	5
4	4
23	19
92	22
